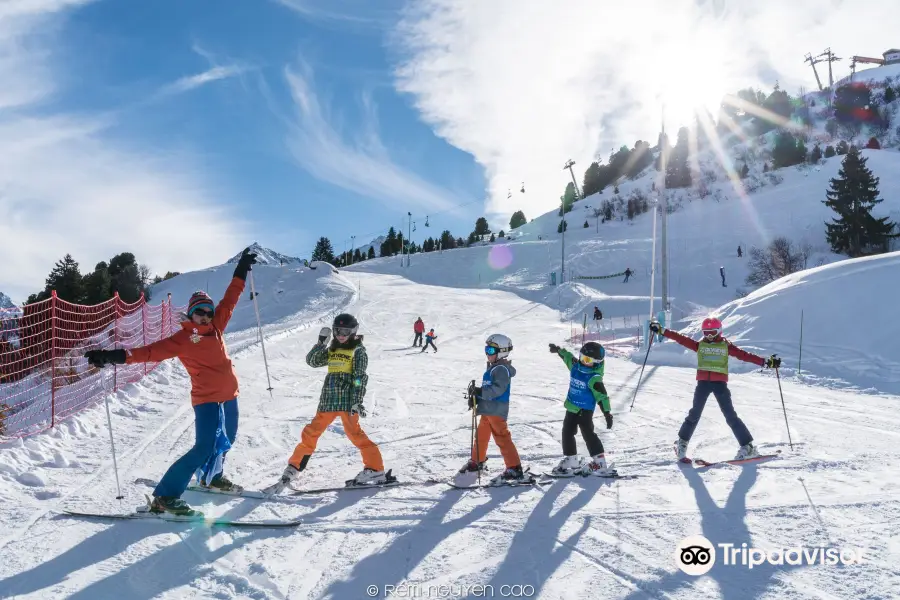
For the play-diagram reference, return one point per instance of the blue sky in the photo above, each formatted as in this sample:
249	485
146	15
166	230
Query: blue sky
184	130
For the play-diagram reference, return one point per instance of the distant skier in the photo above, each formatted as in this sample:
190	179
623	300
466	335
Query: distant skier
418	329
712	378
722	273
598	314
429	340
342	397
740	253
491	402
200	345
586	391
628	273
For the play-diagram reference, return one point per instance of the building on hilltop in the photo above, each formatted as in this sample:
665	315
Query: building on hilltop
892	56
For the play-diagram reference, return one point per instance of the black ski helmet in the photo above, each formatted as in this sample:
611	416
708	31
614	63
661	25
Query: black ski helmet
346	321
593	350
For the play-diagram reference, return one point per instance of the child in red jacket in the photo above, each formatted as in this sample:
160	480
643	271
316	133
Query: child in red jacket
712	378
200	345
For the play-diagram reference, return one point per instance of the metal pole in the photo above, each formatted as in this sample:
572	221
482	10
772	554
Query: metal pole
800	358
653	262
408	235
261	339
665	217
352	247
568	166
112	444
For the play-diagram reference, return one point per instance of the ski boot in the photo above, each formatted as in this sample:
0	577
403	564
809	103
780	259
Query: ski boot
568	465
173	505
681	447
223	484
369	476
290	474
472	467
747	451
511	476
598	467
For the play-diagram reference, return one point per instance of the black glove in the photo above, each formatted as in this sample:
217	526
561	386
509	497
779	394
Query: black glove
101	358
554	349
609	420
655	327
773	362
243	266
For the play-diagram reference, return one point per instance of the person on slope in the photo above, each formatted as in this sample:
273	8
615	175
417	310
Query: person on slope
586	391
491	401
712	378
200	345
418	329
342	397
429	340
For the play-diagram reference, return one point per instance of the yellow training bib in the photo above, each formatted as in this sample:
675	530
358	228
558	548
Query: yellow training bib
341	360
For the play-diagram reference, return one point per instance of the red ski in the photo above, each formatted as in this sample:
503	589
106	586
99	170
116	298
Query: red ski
702	463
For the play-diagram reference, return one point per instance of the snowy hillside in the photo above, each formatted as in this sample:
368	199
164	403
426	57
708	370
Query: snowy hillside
561	540
873	76
264	256
5	301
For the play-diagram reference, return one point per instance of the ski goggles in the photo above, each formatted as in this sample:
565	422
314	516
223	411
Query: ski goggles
202	312
710	333
491	350
343	331
588	361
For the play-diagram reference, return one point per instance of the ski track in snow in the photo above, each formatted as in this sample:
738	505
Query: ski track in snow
578	538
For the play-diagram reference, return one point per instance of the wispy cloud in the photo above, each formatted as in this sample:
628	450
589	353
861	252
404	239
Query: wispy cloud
524	86
67	186
345	13
362	164
215	72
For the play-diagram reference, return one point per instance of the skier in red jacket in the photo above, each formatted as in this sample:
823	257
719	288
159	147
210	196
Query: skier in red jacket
712	378
418	329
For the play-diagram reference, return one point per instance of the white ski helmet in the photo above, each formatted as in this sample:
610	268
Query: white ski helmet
502	345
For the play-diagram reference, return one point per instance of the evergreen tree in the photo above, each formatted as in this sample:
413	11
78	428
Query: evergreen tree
842	148
745	171
591	183
567	199
889	95
473	237
853	195
460	242
493	239
678	170
481	227
323	250
125	277
630	209
371	253
816	155
517	219
357	256
66	279
447	241
501	234
765	167
873	144
586	224
98	285
563	226
786	151
829	151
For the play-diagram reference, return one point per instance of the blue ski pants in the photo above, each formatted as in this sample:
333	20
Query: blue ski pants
206	422
723	396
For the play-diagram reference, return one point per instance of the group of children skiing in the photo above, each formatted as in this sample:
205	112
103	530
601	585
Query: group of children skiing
201	347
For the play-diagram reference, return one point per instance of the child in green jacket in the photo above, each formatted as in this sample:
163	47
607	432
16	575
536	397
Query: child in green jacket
586	390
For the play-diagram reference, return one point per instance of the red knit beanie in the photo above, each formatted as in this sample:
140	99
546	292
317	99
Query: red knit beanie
200	299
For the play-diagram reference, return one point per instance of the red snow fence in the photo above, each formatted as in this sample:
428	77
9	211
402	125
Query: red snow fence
44	376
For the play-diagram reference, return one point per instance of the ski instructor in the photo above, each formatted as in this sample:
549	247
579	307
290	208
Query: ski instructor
200	345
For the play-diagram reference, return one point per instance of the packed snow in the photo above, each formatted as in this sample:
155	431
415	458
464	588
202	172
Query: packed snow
582	538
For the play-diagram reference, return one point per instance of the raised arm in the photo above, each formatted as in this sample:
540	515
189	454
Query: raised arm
226	306
157	351
681	339
318	356
745	356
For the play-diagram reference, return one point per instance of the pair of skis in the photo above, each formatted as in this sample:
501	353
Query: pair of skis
737	461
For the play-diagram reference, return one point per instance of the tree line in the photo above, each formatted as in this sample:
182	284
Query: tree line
122	274
395	243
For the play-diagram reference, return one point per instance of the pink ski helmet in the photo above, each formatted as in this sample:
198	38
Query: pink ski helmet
711	327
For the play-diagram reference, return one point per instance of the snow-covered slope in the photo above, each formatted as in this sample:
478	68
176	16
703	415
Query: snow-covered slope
265	256
573	539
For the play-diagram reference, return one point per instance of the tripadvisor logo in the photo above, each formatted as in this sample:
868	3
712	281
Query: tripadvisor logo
696	555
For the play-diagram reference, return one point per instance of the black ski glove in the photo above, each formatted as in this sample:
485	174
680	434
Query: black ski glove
243	267
554	349
655	327
773	362
101	358
609	419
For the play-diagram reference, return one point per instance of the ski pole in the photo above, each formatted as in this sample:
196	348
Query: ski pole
780	393
113	444
259	328
646	356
